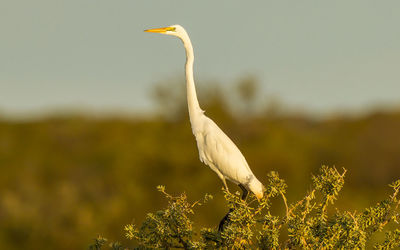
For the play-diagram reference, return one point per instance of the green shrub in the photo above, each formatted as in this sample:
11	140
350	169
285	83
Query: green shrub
311	223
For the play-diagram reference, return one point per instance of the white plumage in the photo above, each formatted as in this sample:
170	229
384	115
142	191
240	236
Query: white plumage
216	149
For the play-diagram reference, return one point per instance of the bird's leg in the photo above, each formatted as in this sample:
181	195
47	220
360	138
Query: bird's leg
245	192
226	219
223	180
226	186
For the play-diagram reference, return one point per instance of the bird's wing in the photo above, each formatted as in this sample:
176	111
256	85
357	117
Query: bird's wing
217	150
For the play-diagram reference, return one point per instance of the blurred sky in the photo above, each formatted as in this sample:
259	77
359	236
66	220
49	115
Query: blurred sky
92	55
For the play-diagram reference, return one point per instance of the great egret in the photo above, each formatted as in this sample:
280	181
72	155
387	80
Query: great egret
215	148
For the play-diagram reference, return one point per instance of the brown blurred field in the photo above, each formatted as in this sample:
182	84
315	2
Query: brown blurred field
66	179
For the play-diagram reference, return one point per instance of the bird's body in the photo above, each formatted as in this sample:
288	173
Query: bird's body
216	149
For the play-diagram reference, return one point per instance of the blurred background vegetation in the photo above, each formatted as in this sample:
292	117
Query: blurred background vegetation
67	178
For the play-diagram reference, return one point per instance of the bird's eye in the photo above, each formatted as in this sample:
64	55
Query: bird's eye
171	29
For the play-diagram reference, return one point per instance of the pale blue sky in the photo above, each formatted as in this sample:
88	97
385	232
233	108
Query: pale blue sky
92	55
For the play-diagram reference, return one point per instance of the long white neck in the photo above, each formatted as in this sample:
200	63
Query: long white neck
193	104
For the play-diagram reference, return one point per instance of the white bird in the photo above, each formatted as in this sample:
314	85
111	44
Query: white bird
216	149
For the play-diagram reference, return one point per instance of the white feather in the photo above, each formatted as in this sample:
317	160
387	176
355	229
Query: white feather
216	149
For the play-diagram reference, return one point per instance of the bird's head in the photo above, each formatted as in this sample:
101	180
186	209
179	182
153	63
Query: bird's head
173	30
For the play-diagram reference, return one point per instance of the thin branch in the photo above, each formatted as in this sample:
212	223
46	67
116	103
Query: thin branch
286	205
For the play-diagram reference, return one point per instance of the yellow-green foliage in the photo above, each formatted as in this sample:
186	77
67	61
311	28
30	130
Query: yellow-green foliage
311	223
67	178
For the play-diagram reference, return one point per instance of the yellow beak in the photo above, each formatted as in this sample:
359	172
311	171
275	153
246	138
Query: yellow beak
161	30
